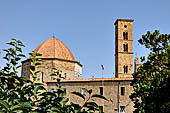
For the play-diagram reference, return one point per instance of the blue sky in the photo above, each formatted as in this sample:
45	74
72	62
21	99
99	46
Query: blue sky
84	26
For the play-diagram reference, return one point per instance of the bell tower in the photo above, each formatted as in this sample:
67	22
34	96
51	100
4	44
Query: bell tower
123	48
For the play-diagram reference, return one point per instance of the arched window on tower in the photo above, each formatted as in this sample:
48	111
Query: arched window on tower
125	47
125	35
125	69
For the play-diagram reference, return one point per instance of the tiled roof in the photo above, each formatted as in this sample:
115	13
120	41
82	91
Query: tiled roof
54	48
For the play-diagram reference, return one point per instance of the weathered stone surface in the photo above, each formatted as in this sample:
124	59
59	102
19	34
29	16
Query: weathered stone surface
123	58
111	90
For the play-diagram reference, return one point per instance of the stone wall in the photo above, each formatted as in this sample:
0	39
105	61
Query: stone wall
123	58
111	90
68	69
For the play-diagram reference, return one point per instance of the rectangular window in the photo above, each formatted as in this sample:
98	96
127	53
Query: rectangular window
52	89
125	47
115	111
83	92
122	91
125	69
41	77
65	91
101	90
122	109
125	35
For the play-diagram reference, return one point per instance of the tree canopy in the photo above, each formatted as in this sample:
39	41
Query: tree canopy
151	81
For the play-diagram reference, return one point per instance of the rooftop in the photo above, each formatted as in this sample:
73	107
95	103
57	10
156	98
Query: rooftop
91	80
127	20
54	48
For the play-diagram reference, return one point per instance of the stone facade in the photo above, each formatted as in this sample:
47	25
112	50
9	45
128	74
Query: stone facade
111	90
68	69
117	90
123	48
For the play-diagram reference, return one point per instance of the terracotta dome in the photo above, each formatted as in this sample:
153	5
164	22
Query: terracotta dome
54	48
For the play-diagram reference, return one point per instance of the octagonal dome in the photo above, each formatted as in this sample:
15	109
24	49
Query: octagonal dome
54	48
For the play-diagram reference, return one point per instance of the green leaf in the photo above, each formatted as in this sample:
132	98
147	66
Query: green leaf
142	58
98	96
21	55
12	43
37	72
36	64
64	101
34	59
38	54
4	104
92	104
100	109
32	68
37	88
22	106
89	91
34	76
20	44
78	94
19	49
3	94
13	39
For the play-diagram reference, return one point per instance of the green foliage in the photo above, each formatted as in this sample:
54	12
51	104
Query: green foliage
19	95
151	81
89	104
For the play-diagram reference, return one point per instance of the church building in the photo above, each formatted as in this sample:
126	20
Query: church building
117	90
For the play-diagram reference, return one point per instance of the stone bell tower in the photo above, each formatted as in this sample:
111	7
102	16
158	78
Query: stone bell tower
123	48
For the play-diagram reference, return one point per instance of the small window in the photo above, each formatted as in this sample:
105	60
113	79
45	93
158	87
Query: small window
101	90
115	111
65	91
125	47
83	91
122	91
125	35
52	89
122	109
125	69
65	75
41	77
